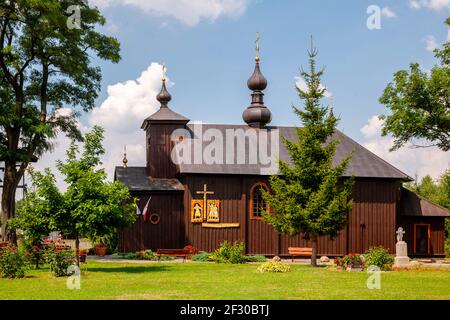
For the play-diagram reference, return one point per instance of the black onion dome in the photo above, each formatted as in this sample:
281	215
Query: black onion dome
257	80
257	115
164	96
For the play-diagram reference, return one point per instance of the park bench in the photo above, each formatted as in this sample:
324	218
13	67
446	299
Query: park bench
299	252
182	253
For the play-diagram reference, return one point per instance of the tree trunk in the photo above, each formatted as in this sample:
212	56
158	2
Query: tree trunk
10	183
314	241
77	250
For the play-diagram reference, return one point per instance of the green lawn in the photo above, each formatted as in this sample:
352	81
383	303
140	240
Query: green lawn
103	280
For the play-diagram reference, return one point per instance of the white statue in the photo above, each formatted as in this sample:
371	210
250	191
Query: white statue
400	234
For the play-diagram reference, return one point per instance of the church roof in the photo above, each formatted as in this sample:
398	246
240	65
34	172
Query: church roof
363	164
411	204
136	179
164	114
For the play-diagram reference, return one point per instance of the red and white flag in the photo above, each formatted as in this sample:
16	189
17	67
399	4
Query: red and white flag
138	211
146	209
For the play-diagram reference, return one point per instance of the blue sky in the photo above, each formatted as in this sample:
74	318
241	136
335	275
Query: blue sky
208	46
211	61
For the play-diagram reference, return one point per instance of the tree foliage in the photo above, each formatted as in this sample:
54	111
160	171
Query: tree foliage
45	66
309	196
91	206
420	103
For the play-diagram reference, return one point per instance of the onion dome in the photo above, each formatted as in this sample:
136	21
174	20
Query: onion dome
164	96
257	114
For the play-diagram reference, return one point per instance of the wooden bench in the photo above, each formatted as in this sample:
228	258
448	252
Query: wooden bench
182	253
299	252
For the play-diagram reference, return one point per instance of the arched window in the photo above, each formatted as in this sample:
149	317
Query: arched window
258	204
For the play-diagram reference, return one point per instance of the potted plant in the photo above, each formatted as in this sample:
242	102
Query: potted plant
100	249
83	255
353	262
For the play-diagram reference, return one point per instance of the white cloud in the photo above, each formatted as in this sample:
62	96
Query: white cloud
189	12
431	43
121	115
412	161
430	4
388	13
301	84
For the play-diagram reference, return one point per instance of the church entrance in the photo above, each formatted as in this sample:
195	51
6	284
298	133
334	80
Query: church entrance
422	239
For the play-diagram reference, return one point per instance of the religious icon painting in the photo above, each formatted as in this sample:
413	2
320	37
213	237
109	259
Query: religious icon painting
196	211
213	210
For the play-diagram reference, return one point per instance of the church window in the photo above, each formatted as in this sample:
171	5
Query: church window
258	204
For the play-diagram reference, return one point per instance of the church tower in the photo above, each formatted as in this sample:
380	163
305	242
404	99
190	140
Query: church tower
257	115
158	128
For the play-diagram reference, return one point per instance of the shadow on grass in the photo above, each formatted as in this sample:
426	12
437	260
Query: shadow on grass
131	269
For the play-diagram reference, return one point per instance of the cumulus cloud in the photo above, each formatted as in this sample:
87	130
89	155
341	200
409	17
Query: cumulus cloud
412	161
431	43
430	4
301	84
189	12
388	13
121	115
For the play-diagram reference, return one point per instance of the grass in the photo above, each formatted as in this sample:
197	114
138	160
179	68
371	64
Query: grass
197	280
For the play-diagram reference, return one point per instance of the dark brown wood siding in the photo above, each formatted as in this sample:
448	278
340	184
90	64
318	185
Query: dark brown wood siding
372	221
159	148
229	191
168	233
437	233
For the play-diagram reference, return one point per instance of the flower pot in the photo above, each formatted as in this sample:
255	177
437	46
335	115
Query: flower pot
83	258
100	250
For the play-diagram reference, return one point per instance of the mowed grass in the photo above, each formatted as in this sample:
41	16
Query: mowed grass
197	281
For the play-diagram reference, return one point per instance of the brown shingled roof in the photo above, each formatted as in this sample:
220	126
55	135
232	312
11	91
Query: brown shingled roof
411	204
363	164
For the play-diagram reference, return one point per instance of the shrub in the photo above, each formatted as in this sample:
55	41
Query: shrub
227	253
201	256
349	260
447	247
59	261
380	257
255	258
146	255
274	266
12	263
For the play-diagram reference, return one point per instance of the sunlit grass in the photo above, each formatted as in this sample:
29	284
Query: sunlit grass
102	280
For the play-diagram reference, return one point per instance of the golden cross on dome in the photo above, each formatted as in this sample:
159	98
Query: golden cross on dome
257	46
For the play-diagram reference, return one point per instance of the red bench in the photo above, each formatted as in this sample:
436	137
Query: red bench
181	253
299	252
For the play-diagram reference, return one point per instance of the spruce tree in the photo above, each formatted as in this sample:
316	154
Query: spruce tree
309	195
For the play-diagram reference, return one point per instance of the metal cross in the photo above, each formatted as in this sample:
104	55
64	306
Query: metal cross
205	193
164	69
257	46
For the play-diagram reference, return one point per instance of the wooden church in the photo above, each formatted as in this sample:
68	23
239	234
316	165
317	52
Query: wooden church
206	201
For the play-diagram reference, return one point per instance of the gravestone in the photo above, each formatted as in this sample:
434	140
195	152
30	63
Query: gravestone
401	250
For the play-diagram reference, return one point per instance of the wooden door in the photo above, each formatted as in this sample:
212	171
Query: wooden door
422	239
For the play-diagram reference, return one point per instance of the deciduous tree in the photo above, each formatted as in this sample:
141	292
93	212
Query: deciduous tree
45	64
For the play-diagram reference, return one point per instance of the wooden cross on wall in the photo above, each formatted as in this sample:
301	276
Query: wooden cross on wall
205	193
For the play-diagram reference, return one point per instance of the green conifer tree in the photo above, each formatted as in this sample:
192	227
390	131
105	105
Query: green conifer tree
309	197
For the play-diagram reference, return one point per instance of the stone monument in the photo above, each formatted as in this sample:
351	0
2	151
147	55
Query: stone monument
401	250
